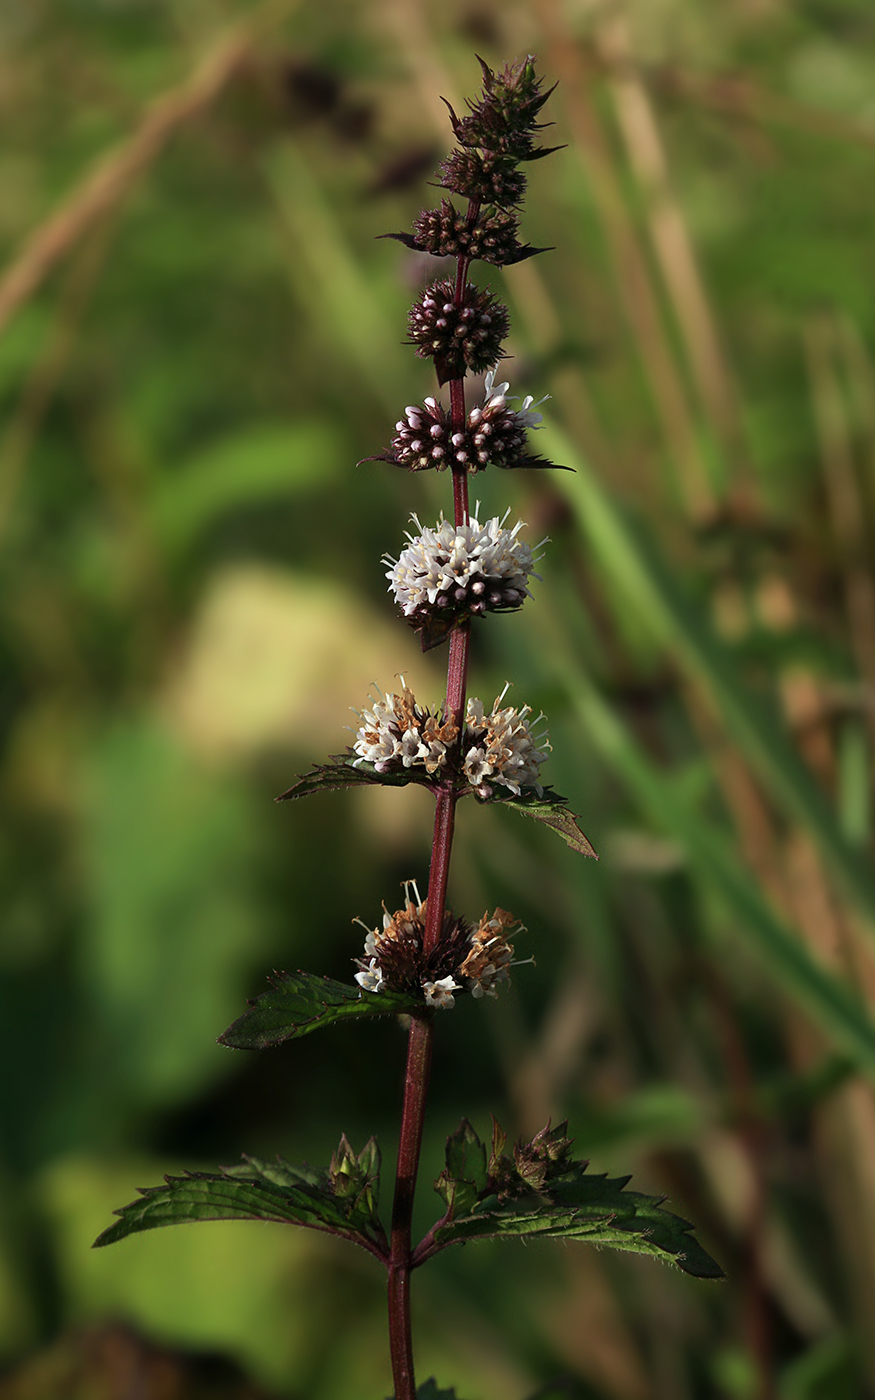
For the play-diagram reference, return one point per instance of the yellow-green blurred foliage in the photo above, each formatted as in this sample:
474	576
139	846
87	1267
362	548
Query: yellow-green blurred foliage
199	338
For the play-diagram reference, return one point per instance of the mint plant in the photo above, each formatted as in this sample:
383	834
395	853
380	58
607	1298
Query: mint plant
421	957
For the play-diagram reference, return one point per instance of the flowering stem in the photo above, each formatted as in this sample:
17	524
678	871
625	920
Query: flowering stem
419	1044
421	1035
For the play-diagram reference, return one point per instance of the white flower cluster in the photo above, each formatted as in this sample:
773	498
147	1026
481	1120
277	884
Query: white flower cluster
474	960
474	567
505	747
396	732
398	946
501	747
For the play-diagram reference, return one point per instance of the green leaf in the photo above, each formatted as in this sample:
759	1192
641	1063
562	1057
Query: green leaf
341	1201
552	812
300	1002
339	774
563	1203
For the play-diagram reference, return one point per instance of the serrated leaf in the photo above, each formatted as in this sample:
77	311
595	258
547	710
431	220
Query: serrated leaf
340	774
568	1204
300	1002
341	1201
552	811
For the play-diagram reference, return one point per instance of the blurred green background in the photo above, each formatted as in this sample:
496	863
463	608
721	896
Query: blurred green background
199	337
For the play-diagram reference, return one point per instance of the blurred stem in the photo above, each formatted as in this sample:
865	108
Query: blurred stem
419	1047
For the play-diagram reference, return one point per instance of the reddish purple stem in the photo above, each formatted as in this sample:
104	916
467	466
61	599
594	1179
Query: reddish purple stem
419	1045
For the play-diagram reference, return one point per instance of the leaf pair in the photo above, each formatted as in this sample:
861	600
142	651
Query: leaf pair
535	1191
551	808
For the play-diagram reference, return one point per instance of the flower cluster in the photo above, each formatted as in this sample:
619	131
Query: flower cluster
465	959
500	748
494	434
490	955
498	432
455	571
397	733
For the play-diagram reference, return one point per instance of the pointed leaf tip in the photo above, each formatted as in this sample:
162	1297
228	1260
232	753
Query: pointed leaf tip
552	811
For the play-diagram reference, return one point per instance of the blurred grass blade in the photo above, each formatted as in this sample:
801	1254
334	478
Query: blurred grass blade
632	564
832	1004
263	463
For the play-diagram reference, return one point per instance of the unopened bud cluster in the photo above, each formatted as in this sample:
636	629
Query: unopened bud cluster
502	123
459	334
494	434
465	959
459	326
484	178
450	234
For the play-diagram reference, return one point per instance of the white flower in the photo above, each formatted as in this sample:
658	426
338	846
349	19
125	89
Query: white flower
440	993
496	396
371	977
527	416
473	567
504	747
495	393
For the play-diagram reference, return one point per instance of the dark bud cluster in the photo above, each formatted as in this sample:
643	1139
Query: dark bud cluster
494	435
503	122
458	336
422	439
497	437
491	236
546	1156
535	1164
483	177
